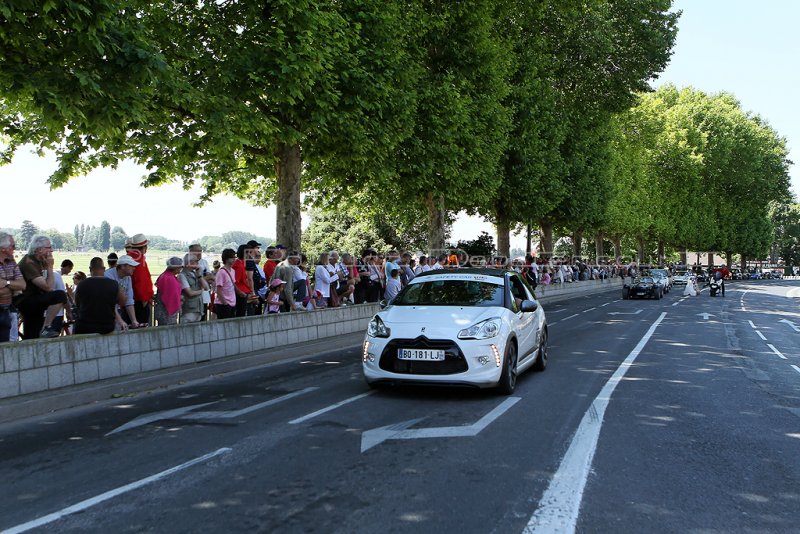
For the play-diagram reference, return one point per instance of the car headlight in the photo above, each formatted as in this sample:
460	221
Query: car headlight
483	330
377	328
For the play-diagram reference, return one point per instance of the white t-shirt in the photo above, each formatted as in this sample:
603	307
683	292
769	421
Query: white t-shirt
58	285
299	274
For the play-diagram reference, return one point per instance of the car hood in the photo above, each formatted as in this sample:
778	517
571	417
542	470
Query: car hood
437	315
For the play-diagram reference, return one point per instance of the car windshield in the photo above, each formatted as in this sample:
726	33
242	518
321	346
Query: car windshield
658	273
451	293
645	280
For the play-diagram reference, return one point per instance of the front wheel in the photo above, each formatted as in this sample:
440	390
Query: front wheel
508	378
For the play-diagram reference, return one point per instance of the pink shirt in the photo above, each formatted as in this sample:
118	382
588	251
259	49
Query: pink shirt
225	292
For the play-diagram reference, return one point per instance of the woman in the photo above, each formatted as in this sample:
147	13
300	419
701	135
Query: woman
324	275
225	299
691	288
168	297
546	277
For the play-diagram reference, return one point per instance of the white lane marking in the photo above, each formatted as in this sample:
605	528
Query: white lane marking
570	317
776	351
590	309
401	430
330	408
741	300
618	300
794	292
753	325
796	368
88	503
606	304
676	303
706	315
761	335
560	505
790	323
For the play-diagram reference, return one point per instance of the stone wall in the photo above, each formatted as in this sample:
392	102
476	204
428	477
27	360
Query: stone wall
46	364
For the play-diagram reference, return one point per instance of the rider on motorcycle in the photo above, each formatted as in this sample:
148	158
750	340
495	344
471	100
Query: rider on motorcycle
719	277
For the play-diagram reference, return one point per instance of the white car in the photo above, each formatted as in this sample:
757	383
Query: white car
681	278
473	327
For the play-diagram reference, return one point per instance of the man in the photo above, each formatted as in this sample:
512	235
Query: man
40	301
111	259
97	299
255	274
196	250
285	271
344	287
122	274
11	281
406	273
244	283
422	266
142	281
193	285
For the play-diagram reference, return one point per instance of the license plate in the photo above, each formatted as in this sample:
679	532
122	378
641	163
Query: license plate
640	293
425	355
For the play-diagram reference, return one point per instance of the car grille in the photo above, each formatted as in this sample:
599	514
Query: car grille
454	361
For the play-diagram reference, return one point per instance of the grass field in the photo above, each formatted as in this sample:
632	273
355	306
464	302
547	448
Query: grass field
156	259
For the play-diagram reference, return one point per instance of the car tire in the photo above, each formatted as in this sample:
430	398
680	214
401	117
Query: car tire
541	358
508	377
625	295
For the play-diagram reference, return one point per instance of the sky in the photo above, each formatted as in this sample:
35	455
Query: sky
743	47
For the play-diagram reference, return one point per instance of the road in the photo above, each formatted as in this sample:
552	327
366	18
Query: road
672	415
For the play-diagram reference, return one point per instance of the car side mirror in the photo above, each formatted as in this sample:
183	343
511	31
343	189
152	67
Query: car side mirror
529	306
383	303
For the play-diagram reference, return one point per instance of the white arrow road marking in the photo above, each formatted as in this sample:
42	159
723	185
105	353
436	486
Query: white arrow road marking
706	315
157	416
88	503
560	505
330	408
790	323
238	413
373	437
796	368
183	413
637	312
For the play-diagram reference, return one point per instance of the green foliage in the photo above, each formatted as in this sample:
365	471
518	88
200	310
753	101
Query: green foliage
483	245
104	242
26	232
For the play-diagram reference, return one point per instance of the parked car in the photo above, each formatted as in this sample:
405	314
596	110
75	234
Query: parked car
777	273
473	327
643	287
681	278
663	278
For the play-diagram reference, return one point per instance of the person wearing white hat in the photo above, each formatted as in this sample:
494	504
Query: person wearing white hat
142	281
121	273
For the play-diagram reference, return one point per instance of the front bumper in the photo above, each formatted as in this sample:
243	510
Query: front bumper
475	363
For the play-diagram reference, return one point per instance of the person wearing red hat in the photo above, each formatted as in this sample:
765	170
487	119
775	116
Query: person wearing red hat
142	281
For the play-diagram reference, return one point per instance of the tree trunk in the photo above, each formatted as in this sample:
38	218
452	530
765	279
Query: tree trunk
436	224
617	248
640	241
683	256
743	263
503	235
661	254
528	233
598	247
710	260
288	169
546	248
577	243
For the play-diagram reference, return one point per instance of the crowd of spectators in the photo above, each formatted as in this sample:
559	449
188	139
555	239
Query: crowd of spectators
119	292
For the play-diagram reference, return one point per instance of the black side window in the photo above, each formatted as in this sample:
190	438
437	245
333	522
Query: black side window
518	292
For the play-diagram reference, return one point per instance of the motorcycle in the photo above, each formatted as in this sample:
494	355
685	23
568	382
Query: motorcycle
714	286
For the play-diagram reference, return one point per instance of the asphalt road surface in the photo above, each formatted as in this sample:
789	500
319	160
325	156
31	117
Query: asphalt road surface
672	415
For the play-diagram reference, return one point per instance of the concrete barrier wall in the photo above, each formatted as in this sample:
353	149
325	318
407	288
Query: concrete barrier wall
557	292
45	364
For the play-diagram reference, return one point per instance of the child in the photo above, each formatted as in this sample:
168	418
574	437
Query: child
393	286
315	302
274	296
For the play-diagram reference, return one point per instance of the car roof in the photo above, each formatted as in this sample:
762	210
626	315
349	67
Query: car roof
472	271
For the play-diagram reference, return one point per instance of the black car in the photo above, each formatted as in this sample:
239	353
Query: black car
644	287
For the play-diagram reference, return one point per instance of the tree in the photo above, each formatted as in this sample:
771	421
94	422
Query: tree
77	233
105	236
786	221
236	95
26	232
118	238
